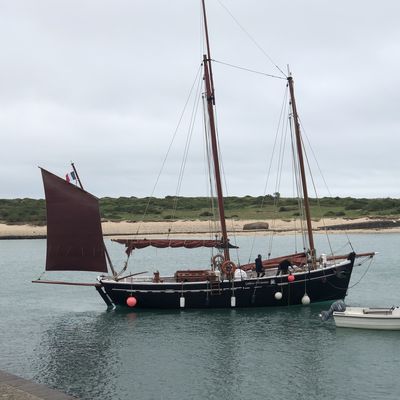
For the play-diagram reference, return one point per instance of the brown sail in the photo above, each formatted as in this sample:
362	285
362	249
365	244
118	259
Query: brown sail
74	235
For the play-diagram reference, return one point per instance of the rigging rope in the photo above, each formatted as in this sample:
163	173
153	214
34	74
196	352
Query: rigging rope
169	148
316	194
371	258
252	39
224	177
271	160
208	175
281	153
323	178
362	277
249	70
186	150
297	182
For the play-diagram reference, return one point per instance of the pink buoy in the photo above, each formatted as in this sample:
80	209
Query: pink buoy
131	301
290	278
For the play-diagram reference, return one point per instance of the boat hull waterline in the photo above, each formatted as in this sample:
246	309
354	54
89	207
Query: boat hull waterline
322	284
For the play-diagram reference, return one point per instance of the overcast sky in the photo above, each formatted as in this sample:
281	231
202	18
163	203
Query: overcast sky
103	84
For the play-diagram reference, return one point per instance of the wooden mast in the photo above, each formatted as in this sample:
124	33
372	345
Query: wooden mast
302	169
208	77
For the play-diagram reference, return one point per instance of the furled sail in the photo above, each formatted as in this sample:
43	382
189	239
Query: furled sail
74	235
132	244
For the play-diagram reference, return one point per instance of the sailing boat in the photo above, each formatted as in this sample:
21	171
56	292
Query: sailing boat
75	242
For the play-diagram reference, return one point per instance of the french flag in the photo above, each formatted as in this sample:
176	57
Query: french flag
70	176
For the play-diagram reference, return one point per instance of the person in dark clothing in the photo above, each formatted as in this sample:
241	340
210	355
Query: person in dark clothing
259	267
283	267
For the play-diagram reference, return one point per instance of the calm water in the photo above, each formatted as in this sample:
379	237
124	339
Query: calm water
65	338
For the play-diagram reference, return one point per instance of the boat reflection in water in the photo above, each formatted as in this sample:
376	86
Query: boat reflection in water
174	354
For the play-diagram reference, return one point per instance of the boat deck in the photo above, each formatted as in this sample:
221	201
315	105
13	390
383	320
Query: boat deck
205	275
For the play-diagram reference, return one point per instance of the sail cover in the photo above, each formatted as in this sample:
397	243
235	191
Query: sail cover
132	244
74	235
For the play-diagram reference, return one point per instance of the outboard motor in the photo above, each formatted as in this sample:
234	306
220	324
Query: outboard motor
336	306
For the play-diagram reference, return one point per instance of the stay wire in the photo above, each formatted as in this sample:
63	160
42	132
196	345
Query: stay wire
281	156
316	193
323	178
169	148
365	272
280	123
249	70
296	167
225	181
187	146
252	39
297	183
362	277
208	175
271	160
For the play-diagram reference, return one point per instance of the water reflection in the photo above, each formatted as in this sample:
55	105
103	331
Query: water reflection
75	354
225	353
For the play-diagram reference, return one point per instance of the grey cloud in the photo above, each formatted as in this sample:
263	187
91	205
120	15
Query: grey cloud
103	84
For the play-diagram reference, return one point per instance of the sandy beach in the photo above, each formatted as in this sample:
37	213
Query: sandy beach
143	229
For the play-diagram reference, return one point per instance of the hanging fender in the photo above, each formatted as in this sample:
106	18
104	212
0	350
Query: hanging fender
228	267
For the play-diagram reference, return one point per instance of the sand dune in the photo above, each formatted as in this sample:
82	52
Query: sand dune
197	227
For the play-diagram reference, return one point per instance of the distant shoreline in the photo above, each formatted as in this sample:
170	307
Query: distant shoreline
197	227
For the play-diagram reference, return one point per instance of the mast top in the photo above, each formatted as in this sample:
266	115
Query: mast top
208	55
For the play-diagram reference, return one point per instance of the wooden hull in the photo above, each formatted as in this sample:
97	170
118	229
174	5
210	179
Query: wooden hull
324	284
368	318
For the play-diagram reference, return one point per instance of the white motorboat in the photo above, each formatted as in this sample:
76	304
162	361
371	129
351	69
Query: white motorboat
368	318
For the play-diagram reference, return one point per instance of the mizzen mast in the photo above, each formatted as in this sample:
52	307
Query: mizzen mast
208	77
302	169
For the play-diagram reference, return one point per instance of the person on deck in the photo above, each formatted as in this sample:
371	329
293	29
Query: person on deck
283	267
259	266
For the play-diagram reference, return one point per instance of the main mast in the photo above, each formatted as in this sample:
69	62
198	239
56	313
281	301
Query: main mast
208	77
302	169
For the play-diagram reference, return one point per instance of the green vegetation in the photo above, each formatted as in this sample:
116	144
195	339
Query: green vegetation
23	211
30	211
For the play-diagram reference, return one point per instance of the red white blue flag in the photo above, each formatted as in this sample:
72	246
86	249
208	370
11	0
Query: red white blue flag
70	177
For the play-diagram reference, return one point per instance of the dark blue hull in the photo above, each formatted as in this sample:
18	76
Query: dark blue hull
320	285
